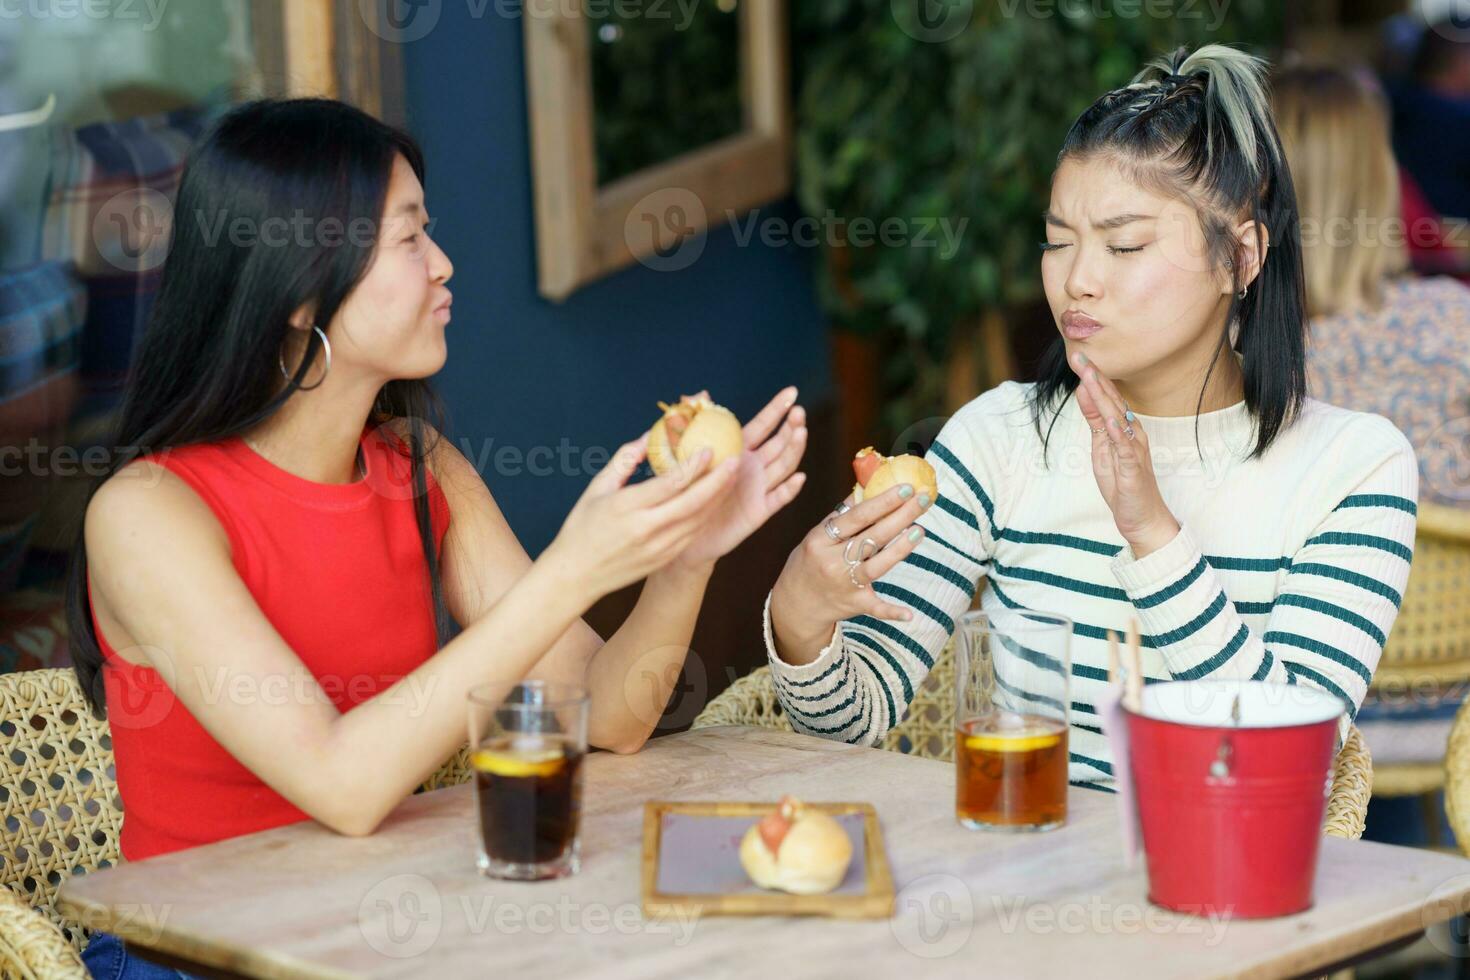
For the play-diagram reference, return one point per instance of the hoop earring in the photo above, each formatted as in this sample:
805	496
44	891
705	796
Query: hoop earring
1241	294
326	346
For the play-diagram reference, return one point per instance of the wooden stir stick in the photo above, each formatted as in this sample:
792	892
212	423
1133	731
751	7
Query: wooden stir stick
1135	666
1130	661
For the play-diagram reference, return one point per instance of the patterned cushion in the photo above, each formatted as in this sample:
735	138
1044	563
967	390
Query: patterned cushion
1406	362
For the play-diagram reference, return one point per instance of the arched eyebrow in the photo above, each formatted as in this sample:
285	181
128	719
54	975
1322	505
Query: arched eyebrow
1107	224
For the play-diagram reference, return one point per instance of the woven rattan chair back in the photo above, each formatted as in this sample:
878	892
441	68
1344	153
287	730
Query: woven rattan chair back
60	810
1430	641
928	731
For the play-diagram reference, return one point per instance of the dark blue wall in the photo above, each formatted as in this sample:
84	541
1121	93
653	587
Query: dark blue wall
742	321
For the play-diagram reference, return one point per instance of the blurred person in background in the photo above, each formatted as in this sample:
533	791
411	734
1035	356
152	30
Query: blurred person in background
1381	340
1431	118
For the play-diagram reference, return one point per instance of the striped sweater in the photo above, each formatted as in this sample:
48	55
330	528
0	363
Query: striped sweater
1290	567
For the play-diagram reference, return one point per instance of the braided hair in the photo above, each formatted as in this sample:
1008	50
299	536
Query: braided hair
1198	126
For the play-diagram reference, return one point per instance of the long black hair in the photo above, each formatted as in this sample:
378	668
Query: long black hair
207	365
1199	126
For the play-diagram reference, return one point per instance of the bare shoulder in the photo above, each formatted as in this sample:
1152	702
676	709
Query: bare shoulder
145	502
142	514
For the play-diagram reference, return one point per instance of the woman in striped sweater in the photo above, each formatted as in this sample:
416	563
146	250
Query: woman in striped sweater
1167	466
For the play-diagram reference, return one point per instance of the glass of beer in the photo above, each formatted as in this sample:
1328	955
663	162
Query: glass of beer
1012	673
526	751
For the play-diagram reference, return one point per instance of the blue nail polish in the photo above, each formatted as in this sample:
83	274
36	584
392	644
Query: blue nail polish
1082	358
1130	416
905	491
924	501
915	534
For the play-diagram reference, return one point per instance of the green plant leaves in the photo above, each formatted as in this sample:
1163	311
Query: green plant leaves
967	130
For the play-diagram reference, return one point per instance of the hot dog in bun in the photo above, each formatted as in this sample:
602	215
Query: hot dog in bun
796	849
876	473
694	423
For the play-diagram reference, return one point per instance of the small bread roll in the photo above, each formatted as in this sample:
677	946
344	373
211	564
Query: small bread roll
890	472
811	851
695	423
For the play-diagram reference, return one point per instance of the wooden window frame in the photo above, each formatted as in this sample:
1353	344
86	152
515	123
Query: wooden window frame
585	231
328	48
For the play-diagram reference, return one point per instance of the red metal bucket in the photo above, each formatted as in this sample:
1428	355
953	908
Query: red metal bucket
1232	814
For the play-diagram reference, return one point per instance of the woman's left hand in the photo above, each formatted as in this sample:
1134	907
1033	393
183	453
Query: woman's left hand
766	481
1121	462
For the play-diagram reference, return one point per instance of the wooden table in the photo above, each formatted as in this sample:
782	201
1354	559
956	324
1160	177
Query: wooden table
301	901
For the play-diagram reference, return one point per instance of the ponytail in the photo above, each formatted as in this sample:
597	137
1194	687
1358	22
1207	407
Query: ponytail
1235	102
1199	126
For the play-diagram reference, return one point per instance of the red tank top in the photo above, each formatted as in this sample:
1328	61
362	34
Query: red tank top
338	570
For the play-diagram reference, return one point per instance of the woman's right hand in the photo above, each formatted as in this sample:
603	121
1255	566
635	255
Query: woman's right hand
816	589
616	534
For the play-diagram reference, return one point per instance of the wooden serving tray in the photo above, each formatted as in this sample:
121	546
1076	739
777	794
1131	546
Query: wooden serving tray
725	889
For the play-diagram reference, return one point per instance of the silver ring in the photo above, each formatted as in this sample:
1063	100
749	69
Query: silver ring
831	530
863	545
852	574
841	508
1128	431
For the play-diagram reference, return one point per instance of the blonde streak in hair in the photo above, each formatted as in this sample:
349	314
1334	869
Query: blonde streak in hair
1141	86
1234	90
1151	74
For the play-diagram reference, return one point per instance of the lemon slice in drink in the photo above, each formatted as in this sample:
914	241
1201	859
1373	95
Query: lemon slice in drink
542	762
1025	739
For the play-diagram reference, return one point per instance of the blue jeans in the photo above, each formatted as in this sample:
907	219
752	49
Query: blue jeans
107	959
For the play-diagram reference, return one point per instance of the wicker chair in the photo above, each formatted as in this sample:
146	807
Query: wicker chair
1457	778
60	814
1430	642
928	731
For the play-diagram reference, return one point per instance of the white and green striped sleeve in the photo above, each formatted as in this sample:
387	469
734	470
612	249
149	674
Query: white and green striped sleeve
1331	617
861	684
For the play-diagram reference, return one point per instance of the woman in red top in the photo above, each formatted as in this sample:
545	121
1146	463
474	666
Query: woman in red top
263	590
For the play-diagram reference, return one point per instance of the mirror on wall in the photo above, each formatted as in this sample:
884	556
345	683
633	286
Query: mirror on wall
645	129
663	87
